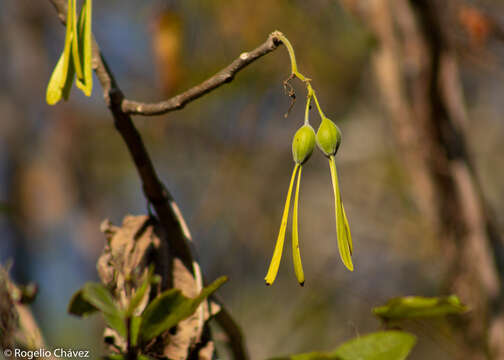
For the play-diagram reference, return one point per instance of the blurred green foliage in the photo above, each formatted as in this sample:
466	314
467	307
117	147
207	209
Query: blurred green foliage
383	345
410	307
161	314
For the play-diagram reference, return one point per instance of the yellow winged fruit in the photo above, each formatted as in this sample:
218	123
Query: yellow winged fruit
302	148
75	60
328	141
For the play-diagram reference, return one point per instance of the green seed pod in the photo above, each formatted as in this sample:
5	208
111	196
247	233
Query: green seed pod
303	144
328	137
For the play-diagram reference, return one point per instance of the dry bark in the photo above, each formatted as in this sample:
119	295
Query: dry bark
18	328
129	252
417	73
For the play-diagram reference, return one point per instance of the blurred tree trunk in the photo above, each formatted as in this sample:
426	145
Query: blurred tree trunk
417	74
23	50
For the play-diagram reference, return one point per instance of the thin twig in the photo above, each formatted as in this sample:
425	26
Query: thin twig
224	76
131	107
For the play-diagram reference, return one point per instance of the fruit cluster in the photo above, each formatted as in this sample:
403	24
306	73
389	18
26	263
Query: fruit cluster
328	140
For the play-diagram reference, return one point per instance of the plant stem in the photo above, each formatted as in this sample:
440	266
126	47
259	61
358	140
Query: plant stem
307	110
322	116
292	55
296	73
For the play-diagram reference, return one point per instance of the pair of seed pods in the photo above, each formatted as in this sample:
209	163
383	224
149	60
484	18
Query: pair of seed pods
328	140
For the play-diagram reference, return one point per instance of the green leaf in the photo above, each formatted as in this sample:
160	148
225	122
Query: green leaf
79	306
171	307
383	345
140	293
96	297
416	306
135	329
116	322
310	356
99	296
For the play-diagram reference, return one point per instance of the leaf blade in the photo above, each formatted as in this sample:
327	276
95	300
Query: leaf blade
382	345
409	307
79	306
171	307
140	293
135	323
99	296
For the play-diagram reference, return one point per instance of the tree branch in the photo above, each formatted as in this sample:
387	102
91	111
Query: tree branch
131	107
121	109
154	190
170	218
224	76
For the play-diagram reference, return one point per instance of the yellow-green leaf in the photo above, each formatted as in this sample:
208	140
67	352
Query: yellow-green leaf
382	345
408	307
135	323
140	293
99	296
171	307
79	306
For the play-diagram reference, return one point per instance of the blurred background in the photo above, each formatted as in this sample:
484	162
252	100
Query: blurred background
227	160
